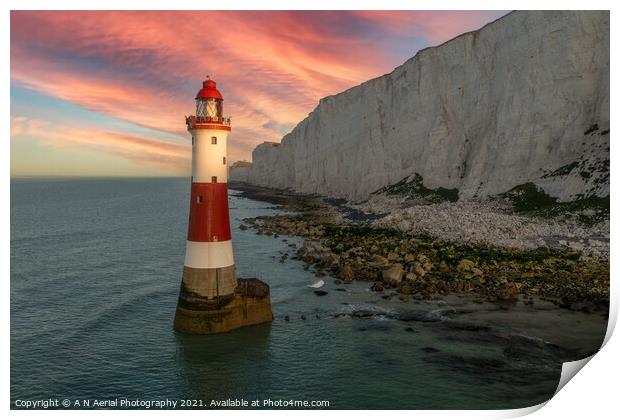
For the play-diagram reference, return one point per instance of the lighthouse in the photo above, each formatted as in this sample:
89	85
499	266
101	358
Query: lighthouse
212	299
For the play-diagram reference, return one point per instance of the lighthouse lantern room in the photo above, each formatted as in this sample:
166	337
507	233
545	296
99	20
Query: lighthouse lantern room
209	102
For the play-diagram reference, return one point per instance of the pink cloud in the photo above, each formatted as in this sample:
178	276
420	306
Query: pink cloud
272	67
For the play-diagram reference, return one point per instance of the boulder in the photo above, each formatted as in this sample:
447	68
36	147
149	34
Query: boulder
423	258
377	287
465	265
358	264
443	267
346	273
405	290
380	261
418	270
508	291
427	266
394	275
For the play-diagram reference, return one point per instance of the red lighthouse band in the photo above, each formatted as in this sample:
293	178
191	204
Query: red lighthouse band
208	214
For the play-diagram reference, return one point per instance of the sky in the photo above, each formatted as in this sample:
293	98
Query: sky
104	93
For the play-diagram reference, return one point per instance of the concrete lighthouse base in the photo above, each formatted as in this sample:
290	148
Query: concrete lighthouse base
250	304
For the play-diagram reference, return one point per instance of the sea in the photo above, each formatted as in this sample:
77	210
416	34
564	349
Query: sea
96	268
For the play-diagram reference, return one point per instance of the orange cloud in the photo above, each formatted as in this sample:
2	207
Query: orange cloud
136	149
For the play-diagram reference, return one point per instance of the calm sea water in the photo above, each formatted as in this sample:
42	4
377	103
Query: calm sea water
95	272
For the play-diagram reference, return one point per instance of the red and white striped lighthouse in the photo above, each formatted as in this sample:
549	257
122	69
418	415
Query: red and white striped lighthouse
211	300
209	270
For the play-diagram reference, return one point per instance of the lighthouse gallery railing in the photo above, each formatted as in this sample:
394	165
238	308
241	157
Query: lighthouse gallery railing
193	120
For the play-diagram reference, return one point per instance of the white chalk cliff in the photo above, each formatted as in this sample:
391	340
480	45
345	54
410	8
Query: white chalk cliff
524	99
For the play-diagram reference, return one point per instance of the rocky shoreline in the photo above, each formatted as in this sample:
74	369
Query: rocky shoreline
417	267
490	221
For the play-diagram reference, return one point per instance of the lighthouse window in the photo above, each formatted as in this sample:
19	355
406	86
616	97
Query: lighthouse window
213	140
224	160
199	199
214	179
192	140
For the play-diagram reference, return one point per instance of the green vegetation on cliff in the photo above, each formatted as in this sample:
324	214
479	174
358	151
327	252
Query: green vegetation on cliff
413	187
531	200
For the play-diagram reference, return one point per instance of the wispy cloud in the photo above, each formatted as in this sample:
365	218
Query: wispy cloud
272	66
136	149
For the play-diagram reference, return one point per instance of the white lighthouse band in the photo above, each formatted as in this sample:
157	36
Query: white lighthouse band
209	155
209	254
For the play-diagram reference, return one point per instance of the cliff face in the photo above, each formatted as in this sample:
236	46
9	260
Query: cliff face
241	170
524	99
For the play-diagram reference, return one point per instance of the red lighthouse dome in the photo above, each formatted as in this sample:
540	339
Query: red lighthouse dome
209	90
